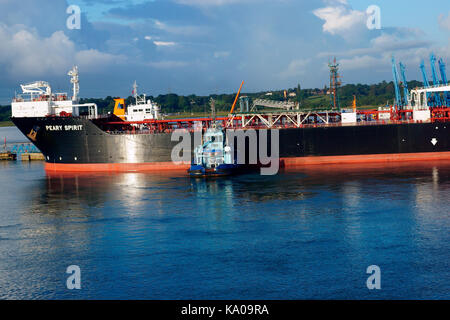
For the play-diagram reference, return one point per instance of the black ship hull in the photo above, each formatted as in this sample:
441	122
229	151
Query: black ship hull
79	144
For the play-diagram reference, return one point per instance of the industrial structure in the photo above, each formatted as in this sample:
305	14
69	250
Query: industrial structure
398	99
283	105
435	95
335	83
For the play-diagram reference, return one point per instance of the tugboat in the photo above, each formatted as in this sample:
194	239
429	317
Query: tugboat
214	157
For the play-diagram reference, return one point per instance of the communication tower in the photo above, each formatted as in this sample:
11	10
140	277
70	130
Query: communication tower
335	83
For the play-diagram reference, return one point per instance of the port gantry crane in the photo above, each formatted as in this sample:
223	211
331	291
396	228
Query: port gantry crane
426	84
437	97
444	81
398	98
405	84
427	96
434	99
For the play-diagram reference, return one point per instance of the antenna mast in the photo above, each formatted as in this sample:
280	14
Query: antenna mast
75	81
213	111
139	99
135	92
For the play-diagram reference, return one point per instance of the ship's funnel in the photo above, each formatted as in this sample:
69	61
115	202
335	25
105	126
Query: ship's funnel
119	108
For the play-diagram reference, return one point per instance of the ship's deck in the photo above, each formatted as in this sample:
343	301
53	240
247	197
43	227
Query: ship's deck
272	120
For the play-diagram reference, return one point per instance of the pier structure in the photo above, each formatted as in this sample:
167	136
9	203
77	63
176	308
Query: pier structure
283	105
7	155
280	119
24	152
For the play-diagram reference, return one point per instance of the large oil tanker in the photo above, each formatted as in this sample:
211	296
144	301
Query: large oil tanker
73	137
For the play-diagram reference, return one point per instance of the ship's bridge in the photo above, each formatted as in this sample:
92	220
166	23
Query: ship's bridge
143	109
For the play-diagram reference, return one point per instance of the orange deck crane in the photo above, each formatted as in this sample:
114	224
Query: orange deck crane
237	97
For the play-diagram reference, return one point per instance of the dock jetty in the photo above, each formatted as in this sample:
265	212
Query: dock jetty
6	155
23	152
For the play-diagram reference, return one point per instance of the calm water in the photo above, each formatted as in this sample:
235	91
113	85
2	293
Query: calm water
308	234
12	136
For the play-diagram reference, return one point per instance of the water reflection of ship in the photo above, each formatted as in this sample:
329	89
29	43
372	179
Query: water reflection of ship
428	193
131	189
216	196
351	181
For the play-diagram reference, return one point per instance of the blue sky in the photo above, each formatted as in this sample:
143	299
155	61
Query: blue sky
210	46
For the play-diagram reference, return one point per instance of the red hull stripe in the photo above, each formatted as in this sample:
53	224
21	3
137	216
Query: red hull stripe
371	158
114	167
284	162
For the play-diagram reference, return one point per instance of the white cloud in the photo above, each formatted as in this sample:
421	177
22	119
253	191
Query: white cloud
296	68
377	57
184	30
164	43
27	54
148	38
390	42
91	60
364	62
340	19
444	21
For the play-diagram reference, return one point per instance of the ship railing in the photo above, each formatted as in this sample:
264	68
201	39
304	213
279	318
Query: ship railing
360	122
36	97
90	117
280	126
433	86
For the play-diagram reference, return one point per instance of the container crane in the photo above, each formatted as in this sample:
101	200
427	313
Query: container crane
437	96
425	79
398	98
444	81
443	73
405	84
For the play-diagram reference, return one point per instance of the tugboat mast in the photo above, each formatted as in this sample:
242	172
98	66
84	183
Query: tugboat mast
213	112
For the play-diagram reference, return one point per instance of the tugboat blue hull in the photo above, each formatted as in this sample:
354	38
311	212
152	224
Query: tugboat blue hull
219	171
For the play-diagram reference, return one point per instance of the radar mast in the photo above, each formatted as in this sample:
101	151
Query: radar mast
139	99
75	81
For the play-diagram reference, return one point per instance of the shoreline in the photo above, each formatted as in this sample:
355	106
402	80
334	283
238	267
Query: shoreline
5	124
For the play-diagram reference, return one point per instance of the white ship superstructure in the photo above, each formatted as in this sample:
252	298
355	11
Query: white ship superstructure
418	100
143	109
38	100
